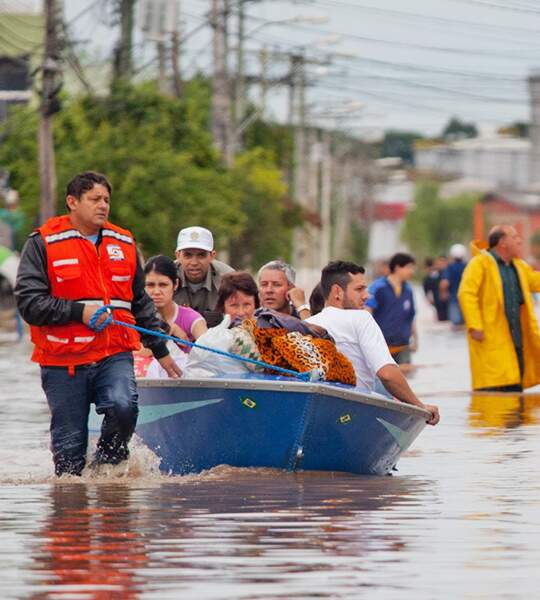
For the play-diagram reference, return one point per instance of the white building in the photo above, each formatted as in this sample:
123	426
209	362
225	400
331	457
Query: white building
390	201
500	161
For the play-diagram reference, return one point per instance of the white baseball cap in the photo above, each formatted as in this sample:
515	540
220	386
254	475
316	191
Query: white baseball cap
195	237
458	251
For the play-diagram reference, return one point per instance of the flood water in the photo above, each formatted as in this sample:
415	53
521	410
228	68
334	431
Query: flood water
460	519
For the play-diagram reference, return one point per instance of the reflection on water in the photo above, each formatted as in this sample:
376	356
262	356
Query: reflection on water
460	518
89	540
245	526
496	412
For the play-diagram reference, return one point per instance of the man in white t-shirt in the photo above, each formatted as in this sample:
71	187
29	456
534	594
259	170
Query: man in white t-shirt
358	336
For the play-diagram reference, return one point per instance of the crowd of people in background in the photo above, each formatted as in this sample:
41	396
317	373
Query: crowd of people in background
441	284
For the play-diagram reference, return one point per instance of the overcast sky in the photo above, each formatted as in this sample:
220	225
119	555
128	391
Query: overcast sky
412	65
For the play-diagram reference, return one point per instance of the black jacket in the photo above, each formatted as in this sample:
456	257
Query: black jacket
38	307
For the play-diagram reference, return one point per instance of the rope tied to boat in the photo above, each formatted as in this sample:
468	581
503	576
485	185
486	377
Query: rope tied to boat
312	375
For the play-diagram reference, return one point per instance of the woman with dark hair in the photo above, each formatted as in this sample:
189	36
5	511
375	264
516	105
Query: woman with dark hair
161	281
238	295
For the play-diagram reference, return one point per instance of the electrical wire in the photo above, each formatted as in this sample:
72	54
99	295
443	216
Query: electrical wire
338	57
400	44
430	18
449	92
497	6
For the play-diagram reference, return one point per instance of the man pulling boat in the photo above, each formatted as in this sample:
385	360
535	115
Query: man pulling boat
70	267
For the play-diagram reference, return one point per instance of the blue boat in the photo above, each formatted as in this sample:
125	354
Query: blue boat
272	421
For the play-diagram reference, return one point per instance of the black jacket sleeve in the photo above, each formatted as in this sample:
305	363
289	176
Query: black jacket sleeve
32	289
146	316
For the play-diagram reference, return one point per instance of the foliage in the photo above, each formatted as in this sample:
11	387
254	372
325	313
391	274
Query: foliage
434	224
516	129
400	143
275	138
166	175
359	244
269	220
456	129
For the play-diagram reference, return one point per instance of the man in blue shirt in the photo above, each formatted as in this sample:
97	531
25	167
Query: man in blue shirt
391	302
450	280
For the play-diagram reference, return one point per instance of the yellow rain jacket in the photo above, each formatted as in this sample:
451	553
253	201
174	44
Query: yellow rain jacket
494	361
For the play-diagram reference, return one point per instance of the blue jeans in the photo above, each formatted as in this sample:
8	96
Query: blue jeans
454	312
110	385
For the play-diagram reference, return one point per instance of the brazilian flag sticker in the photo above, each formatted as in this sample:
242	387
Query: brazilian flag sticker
249	403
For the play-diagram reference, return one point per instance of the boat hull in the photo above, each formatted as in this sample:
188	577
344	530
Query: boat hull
197	425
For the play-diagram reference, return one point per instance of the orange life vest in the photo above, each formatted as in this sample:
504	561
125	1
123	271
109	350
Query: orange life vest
80	271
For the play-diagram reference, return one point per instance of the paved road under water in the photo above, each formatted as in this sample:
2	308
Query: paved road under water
460	519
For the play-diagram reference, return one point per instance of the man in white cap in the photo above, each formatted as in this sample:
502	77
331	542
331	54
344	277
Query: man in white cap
199	272
450	280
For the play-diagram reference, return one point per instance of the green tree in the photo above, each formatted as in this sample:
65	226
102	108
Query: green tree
456	129
274	138
516	129
166	175
434	224
269	219
400	143
359	244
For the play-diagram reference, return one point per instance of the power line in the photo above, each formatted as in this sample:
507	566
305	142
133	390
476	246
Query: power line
393	99
83	12
502	77
399	44
476	75
463	94
431	18
497	6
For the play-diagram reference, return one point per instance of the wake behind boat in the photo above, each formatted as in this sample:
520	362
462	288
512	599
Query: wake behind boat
272	421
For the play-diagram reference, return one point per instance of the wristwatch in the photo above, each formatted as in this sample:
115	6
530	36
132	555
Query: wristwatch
303	307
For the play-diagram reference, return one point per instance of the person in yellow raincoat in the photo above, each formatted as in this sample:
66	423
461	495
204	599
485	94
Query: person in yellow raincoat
502	331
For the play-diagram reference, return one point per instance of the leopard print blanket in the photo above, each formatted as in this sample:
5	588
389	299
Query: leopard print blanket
302	353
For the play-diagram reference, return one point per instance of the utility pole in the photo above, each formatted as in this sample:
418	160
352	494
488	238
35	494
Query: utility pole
175	62
303	239
221	103
239	92
162	68
49	105
291	121
263	61
297	105
346	190
123	59
326	195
